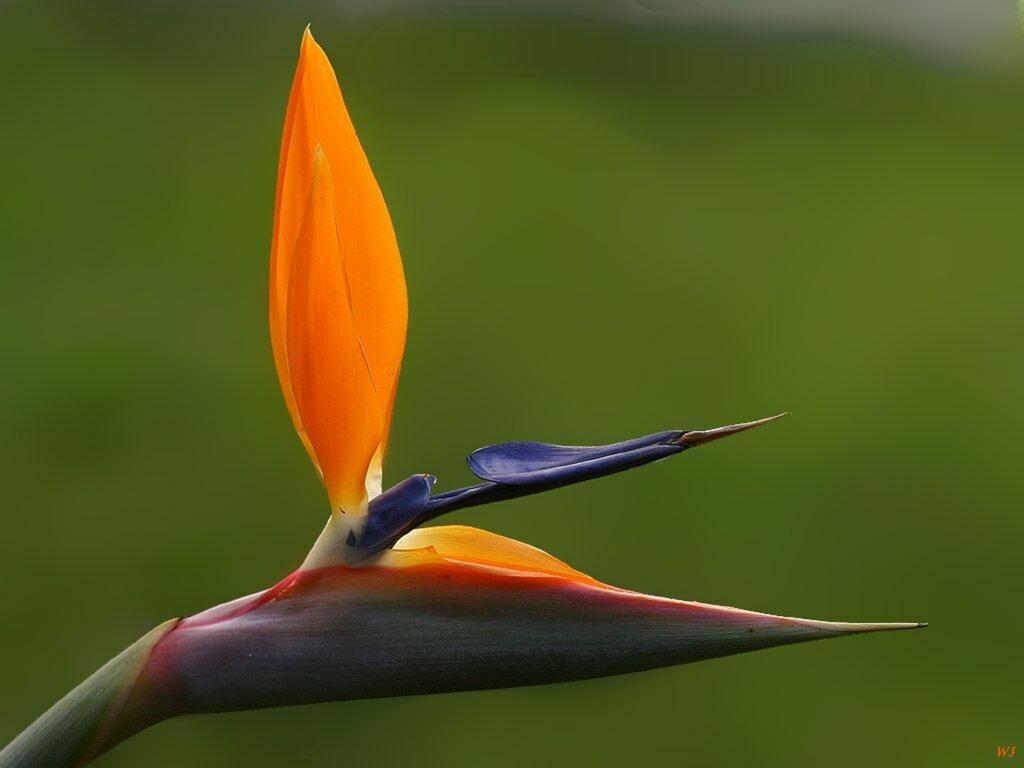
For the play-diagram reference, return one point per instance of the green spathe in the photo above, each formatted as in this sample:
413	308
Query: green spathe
344	633
88	721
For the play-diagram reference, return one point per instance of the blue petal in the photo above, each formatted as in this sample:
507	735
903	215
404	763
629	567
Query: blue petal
395	512
510	470
524	463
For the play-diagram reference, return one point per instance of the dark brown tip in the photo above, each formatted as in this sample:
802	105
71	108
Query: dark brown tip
702	436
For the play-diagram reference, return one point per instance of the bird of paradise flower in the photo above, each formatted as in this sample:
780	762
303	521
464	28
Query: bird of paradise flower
382	606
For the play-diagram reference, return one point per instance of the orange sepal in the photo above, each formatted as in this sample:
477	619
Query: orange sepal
335	399
476	547
370	272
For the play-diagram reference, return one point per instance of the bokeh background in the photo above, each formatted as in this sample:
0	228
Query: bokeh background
608	229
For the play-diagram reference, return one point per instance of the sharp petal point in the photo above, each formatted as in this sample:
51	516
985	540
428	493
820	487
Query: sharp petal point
844	627
698	437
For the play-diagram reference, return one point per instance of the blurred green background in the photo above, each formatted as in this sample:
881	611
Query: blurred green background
607	231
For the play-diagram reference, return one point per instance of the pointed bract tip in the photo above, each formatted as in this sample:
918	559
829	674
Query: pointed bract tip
698	437
854	628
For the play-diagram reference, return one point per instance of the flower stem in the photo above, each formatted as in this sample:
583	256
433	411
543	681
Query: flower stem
101	712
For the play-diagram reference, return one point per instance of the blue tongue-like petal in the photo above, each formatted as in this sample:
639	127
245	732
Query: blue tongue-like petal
526	463
394	513
517	469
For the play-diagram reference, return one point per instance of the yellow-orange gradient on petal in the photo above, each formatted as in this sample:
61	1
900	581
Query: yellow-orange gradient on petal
338	306
473	546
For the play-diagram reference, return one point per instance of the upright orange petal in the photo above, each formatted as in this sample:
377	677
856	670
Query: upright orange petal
365	244
334	396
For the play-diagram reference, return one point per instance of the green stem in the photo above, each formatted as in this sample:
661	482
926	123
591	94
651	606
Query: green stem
101	712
